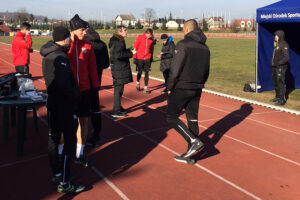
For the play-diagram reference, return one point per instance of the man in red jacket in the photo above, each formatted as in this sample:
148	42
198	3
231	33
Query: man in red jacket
83	64
21	47
144	46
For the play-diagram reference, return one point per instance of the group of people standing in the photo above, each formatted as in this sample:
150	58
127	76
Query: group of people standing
72	67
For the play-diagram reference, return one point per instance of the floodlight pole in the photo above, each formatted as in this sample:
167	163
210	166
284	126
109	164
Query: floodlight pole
256	58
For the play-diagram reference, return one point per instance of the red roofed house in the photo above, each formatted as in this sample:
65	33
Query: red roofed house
4	30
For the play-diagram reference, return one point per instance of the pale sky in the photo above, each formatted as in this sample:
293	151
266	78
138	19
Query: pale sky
108	9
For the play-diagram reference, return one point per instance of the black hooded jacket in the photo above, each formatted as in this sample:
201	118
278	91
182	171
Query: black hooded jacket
281	51
99	47
191	62
60	82
167	55
119	59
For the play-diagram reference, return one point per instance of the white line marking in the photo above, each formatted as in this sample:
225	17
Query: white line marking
242	142
265	113
108	182
199	166
23	161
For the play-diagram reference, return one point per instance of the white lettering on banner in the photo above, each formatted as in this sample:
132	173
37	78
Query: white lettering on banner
280	15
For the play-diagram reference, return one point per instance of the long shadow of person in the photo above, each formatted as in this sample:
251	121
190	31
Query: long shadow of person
211	136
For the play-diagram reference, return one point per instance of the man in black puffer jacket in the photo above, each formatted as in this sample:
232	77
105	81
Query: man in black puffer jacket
102	61
188	74
166	55
63	98
120	67
279	66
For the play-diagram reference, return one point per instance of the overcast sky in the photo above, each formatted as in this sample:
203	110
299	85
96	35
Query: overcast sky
92	9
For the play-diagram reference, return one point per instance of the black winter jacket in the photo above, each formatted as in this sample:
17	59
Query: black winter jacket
281	51
167	51
119	59
191	62
99	47
60	82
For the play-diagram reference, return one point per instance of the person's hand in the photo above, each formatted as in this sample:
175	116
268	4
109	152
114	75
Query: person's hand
27	32
158	56
133	51
169	92
72	36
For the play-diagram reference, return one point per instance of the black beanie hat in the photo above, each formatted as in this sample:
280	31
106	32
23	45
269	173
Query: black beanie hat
77	23
60	33
164	37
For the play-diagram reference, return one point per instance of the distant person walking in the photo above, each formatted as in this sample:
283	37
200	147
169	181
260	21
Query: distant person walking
166	55
83	63
21	47
188	74
102	61
120	67
279	66
62	102
144	46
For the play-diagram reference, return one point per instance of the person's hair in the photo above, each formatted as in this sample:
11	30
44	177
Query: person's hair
149	31
25	25
191	24
120	28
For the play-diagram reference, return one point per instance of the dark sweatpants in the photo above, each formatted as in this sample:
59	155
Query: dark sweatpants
278	77
61	121
118	93
96	114
189	100
166	76
143	65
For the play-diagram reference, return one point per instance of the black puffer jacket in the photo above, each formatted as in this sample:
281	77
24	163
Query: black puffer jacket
119	59
191	62
99	47
167	55
60	82
281	52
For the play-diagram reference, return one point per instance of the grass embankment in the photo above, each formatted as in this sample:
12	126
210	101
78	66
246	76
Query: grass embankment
232	65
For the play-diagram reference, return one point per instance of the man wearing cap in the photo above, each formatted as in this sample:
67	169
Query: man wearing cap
63	97
83	64
166	55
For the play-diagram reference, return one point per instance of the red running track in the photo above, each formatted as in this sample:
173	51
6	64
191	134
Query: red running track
252	152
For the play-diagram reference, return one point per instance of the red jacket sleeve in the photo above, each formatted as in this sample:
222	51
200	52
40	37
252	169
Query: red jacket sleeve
93	69
136	45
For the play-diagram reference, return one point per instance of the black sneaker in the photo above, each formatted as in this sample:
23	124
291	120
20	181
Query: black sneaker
274	99
146	91
123	110
280	102
193	148
93	142
82	161
165	91
138	88
70	188
56	179
119	114
184	160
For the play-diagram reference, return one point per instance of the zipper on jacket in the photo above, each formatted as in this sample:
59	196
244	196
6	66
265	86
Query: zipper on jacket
77	64
146	48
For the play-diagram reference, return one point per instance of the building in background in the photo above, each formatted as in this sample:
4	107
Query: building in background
125	20
245	24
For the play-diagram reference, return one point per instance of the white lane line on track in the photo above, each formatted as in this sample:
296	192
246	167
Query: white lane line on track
108	182
23	161
199	166
234	139
248	118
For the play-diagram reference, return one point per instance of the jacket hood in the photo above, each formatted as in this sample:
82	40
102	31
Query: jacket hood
197	35
19	33
170	39
91	35
50	47
281	35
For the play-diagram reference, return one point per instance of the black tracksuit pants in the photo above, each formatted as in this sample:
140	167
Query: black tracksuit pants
118	93
189	100
278	77
166	76
96	114
61	121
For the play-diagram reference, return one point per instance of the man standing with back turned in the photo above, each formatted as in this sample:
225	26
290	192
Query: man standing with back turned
188	74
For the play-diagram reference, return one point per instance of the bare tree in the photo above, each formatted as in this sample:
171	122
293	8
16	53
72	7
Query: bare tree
22	15
150	14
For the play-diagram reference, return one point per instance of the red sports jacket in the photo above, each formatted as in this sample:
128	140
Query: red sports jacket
144	47
20	49
83	64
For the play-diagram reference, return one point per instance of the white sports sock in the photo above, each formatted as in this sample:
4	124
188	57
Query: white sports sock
60	149
137	82
81	150
78	149
145	87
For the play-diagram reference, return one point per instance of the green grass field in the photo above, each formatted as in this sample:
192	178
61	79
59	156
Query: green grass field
232	65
